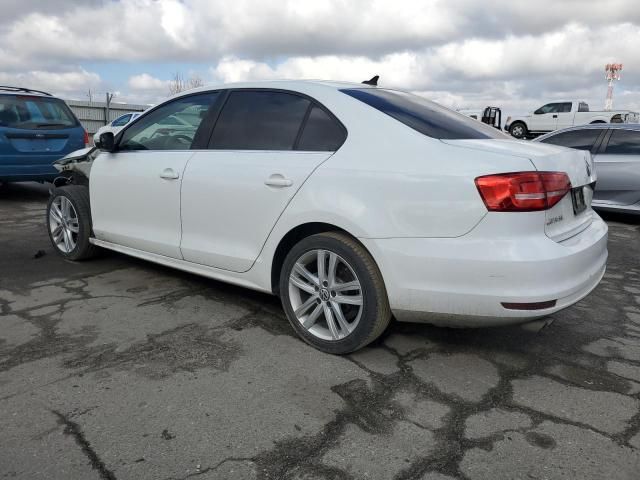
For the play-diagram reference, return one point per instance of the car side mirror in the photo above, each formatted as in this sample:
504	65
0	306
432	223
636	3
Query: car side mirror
107	142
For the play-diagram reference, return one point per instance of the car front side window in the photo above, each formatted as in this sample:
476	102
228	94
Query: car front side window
171	126
548	108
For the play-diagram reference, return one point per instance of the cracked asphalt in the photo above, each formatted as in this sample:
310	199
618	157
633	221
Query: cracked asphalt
121	369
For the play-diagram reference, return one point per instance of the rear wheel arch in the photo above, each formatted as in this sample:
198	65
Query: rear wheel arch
294	236
597	121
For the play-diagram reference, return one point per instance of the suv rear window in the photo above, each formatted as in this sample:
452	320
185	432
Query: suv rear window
422	115
31	112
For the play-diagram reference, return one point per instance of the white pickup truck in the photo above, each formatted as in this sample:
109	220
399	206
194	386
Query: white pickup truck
556	115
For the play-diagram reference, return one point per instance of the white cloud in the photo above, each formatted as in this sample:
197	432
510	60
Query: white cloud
463	52
75	82
144	81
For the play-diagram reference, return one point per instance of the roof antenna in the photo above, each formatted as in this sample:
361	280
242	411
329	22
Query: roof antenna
373	81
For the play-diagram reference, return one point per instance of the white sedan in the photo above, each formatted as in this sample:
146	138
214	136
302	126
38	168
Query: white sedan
353	203
116	125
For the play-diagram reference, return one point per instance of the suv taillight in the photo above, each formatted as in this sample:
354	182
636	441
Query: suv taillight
86	138
523	191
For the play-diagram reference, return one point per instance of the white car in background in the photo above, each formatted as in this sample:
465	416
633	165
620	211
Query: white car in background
116	125
352	203
558	115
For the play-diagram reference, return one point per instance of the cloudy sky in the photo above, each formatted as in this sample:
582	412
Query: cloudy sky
463	53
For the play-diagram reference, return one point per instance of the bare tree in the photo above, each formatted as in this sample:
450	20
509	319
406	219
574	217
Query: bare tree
179	83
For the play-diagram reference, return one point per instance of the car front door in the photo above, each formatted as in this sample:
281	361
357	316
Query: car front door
264	145
564	117
618	168
135	191
545	118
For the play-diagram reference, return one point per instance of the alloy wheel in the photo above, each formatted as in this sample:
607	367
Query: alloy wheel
63	224
325	294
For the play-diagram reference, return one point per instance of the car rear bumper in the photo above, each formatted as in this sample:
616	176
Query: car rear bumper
464	281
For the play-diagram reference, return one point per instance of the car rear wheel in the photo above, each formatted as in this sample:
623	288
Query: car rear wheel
333	293
69	222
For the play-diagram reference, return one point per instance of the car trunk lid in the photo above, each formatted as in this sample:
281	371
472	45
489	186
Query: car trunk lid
573	213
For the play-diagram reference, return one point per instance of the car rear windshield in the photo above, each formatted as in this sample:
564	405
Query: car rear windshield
422	115
31	112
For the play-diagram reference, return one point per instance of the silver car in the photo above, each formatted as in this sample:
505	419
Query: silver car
616	152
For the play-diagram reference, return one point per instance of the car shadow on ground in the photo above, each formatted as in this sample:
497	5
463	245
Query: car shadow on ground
24	192
620	217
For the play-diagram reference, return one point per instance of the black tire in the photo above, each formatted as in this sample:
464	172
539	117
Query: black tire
597	121
518	130
376	313
79	198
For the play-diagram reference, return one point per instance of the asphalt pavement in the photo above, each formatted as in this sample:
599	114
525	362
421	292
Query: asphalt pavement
116	368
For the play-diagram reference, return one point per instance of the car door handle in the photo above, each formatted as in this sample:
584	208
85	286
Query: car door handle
555	116
169	174
277	180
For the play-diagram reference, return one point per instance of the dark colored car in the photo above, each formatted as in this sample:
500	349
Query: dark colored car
36	129
615	148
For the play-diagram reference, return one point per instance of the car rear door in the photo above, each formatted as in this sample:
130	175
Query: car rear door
618	168
264	145
135	191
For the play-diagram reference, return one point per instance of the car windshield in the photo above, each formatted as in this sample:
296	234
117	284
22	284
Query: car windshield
33	112
422	115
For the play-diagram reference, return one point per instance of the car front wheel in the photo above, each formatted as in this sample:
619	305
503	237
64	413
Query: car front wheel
333	293
69	222
518	130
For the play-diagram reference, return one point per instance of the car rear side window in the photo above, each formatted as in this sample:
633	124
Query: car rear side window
321	132
624	142
259	120
579	139
422	115
31	112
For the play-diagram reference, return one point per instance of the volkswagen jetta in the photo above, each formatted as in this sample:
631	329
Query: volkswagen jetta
353	203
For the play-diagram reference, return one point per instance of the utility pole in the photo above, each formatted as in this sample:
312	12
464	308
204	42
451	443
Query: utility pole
612	73
106	113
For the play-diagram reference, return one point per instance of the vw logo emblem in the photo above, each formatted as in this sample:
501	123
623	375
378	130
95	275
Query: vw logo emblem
324	295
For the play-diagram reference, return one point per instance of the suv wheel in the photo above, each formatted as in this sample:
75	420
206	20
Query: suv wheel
333	294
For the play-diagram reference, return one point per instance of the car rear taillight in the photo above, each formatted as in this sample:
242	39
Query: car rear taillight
86	138
523	191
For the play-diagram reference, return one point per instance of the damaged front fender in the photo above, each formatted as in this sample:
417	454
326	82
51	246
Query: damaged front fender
75	167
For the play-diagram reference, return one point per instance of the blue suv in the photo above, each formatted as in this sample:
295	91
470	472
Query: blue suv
36	129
